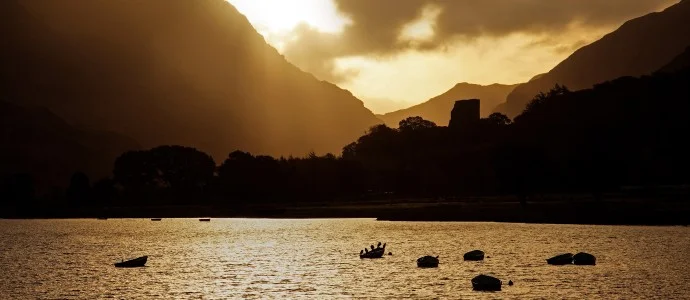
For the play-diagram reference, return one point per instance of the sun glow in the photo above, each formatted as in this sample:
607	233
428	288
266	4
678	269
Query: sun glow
277	17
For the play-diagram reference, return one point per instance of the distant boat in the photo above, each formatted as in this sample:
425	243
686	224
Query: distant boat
375	253
561	259
156	219
427	262
132	263
486	283
101	218
204	220
584	259
474	255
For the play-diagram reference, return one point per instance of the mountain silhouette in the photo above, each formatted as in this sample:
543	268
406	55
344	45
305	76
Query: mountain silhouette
438	109
639	47
680	62
193	73
35	141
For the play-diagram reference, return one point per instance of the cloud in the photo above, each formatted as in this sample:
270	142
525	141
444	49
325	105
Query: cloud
314	51
375	27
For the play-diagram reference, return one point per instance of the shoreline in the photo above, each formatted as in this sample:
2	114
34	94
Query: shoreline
559	210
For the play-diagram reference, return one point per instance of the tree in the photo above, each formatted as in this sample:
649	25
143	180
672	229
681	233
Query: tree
498	119
184	171
18	189
79	190
542	98
412	124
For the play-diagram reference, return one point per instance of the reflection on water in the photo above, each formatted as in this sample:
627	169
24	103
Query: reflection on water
258	258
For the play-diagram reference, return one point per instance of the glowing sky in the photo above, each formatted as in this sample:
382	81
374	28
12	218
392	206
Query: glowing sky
395	53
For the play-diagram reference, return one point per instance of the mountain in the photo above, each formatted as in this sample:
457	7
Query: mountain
640	46
194	73
680	62
36	141
438	109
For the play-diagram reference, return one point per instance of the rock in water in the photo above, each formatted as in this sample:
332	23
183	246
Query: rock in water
474	255
561	259
584	259
486	283
427	262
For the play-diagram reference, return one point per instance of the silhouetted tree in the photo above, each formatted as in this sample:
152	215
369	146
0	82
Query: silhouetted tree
79	190
415	124
498	119
18	190
182	171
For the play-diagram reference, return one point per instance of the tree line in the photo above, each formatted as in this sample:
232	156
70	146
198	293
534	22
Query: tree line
625	132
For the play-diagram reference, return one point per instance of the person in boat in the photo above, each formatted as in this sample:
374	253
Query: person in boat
378	246
372	247
361	252
366	250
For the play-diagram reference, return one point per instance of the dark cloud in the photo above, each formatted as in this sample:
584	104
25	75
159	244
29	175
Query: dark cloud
376	25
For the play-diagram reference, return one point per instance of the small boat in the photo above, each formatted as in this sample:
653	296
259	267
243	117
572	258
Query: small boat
156	219
374	253
474	255
584	259
486	283
204	220
132	263
427	262
101	218
561	259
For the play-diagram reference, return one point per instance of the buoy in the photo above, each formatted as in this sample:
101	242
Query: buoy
510	282
390	253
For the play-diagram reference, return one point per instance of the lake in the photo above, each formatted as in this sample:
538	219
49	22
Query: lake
318	259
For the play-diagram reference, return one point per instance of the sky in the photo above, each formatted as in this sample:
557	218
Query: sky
392	54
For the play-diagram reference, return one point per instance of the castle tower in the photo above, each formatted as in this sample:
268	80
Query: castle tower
465	114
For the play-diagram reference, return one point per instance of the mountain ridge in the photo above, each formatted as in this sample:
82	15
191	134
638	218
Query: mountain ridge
638	47
193	73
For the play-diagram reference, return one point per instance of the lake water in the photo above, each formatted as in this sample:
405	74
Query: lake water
317	259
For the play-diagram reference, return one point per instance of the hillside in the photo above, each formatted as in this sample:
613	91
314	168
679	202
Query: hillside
37	142
192	73
438	109
639	47
680	62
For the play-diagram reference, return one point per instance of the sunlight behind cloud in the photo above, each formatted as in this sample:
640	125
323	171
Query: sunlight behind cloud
281	16
422	29
415	76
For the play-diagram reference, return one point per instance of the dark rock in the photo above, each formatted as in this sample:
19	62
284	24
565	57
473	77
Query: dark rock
474	255
561	259
486	283
583	259
427	262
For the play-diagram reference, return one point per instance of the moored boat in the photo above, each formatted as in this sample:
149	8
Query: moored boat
204	220
132	263
474	255
486	283
584	259
561	259
156	219
374	253
427	262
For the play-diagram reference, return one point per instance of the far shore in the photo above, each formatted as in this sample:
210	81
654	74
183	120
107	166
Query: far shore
570	209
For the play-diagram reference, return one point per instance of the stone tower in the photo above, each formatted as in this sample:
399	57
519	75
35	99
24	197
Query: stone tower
465	114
